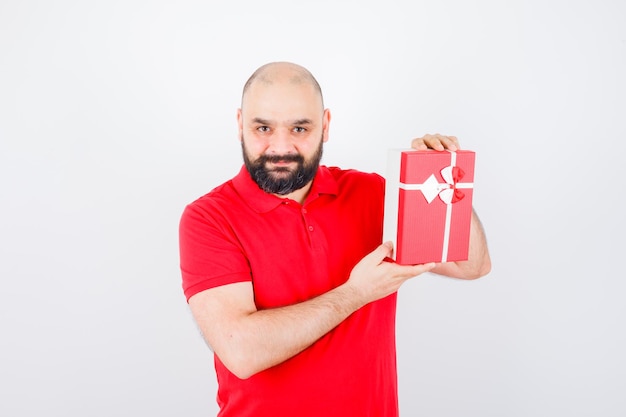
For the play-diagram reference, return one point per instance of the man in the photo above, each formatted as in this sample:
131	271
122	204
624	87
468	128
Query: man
284	269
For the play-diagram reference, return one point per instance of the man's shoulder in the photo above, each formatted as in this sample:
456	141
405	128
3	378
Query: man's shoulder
224	193
350	176
220	196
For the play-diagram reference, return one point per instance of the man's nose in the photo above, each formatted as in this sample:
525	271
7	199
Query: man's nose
281	142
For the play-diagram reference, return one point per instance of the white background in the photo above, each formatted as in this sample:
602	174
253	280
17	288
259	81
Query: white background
115	114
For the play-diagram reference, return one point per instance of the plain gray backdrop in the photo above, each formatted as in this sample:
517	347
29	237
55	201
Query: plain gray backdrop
116	114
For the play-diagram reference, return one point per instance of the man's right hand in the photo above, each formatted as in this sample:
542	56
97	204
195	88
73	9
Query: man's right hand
374	278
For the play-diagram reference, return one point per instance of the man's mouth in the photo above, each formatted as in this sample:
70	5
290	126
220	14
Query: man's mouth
278	163
282	162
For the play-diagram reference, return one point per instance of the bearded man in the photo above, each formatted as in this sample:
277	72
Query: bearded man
284	267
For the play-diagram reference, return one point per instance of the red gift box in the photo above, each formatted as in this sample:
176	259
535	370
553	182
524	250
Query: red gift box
428	205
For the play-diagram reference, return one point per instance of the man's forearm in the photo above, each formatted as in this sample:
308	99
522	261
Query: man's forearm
248	340
479	261
264	338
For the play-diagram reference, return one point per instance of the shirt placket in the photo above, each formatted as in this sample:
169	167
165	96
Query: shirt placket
309	225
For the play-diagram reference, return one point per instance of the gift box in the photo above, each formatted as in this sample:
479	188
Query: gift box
428	205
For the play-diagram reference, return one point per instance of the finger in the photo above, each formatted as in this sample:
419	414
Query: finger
448	142
451	142
434	141
418	144
441	142
381	252
415	270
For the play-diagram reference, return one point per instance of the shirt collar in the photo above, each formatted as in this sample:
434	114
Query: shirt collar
262	202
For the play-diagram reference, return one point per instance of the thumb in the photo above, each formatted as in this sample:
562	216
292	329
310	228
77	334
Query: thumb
383	251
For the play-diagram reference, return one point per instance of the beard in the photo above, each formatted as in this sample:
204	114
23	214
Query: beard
282	180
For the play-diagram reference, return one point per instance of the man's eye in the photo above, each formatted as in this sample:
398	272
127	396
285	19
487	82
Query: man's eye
263	129
299	129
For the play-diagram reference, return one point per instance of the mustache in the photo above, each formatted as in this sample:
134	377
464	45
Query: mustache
280	158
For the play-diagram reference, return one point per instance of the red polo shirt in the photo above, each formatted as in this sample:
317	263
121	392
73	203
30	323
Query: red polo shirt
291	253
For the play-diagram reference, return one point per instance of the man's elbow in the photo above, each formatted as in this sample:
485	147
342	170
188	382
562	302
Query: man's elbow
240	364
479	270
241	372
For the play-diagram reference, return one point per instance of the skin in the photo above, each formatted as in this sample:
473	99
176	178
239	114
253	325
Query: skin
282	112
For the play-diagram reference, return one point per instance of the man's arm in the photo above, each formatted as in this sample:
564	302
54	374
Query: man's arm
248	340
478	263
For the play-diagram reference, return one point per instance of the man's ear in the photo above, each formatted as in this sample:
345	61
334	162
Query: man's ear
240	124
325	124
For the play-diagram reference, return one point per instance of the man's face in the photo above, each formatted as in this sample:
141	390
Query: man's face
282	128
274	173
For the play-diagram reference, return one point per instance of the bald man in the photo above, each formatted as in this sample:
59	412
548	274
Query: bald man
284	269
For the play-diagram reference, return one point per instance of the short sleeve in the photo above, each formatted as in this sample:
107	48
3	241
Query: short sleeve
210	255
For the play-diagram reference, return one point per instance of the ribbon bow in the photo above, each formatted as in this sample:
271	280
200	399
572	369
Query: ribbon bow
452	175
448	191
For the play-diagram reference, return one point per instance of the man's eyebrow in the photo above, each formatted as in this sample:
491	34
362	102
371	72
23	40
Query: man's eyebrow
300	122
260	121
296	122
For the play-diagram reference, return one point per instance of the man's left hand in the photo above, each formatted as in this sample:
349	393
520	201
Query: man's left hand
437	142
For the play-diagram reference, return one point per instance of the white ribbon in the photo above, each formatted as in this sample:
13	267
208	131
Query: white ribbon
431	188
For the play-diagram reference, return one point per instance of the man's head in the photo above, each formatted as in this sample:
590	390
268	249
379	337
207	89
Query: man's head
282	126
